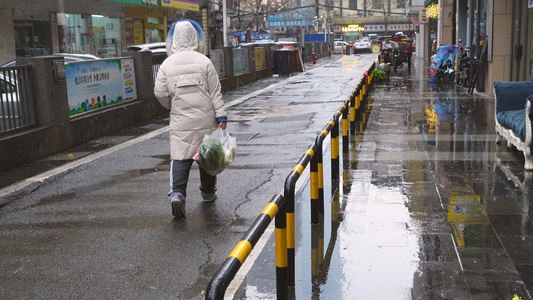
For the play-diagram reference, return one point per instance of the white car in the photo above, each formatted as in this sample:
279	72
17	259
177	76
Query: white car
340	47
363	46
153	47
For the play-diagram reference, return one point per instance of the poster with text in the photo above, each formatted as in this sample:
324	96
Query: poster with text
217	58
100	83
260	58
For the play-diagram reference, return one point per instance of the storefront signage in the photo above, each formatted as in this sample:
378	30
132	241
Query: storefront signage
181	4
380	27
423	17
55	38
99	83
400	27
138	32
299	17
139	2
353	28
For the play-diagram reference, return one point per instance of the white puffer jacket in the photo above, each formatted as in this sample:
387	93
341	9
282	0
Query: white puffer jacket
187	84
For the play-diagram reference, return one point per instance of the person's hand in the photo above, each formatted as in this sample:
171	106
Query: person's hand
223	125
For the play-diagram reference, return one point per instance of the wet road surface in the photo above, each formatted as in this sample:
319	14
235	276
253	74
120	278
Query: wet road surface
97	222
430	206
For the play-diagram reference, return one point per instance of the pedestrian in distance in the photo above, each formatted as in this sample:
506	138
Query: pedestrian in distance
187	84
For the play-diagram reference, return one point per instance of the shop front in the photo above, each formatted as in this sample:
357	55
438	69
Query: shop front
92	34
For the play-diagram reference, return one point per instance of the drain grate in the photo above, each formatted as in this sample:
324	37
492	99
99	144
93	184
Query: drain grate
244	136
304	117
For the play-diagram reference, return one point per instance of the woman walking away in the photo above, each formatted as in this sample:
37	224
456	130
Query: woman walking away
187	84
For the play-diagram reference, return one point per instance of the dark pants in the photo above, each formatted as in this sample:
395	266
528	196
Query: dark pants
179	176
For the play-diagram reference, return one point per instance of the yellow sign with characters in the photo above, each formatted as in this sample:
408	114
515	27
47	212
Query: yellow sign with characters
353	28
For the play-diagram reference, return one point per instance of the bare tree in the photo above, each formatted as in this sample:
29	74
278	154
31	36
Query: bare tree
250	12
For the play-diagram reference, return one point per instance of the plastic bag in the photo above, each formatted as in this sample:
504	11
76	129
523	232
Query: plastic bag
216	152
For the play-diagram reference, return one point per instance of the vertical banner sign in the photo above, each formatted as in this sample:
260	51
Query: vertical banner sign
138	32
55	38
123	33
181	4
99	83
423	17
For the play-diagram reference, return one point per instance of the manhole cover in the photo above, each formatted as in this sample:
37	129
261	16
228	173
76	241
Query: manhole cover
304	117
244	136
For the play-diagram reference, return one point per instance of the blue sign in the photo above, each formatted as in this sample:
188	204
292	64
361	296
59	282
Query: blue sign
297	17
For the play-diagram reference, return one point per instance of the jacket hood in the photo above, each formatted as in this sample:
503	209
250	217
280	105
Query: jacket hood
185	35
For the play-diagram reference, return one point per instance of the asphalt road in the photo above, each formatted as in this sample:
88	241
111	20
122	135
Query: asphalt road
99	225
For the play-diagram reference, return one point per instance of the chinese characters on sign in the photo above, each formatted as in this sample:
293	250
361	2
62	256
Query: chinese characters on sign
423	16
99	83
374	27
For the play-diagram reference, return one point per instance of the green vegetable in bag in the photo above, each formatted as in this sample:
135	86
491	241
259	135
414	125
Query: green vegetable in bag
211	155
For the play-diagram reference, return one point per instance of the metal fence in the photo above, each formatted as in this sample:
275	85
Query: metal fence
281	207
157	60
17	107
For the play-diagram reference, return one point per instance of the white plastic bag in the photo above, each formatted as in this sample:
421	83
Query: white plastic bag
216	152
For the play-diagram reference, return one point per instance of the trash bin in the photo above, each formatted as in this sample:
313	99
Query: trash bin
283	61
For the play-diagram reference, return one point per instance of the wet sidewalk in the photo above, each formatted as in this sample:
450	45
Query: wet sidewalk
430	207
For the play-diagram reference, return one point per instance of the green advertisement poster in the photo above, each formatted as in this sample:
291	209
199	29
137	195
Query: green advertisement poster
100	83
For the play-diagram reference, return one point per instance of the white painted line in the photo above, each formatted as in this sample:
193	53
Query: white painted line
43	176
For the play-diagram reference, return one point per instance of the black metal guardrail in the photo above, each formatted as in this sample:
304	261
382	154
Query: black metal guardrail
353	113
17	107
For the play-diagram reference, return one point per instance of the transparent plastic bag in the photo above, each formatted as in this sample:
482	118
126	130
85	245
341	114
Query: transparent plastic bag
216	152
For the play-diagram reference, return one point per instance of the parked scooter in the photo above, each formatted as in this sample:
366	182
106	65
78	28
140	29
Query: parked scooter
463	66
442	65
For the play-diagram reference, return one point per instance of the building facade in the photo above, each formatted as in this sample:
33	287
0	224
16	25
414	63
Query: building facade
104	28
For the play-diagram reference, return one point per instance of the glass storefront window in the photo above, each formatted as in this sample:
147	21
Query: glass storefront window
93	34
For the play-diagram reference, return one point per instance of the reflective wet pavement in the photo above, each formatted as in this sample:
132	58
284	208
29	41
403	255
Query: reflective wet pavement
430	206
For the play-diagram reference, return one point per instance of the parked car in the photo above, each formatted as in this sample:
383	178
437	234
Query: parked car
10	102
158	47
363	46
69	57
340	47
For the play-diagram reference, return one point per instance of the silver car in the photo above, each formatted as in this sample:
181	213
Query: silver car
363	46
